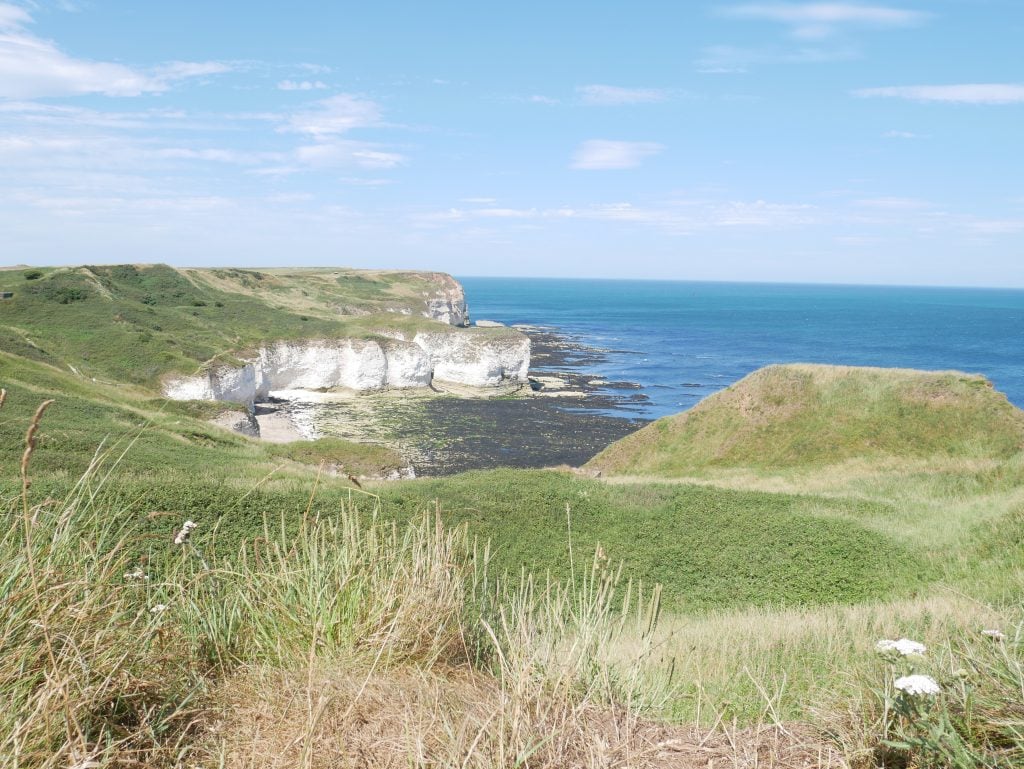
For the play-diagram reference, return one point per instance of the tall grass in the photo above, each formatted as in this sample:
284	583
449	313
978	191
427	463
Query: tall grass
353	640
108	658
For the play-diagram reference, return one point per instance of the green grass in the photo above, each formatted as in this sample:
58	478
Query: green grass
133	324
341	456
776	580
695	541
802	416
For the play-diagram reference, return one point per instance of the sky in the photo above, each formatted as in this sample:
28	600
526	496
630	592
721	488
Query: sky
850	142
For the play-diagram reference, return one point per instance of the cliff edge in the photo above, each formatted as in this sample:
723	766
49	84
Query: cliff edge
236	334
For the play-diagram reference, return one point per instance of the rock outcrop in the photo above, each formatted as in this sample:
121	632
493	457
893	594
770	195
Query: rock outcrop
468	357
447	303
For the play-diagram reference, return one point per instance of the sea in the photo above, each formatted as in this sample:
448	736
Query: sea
679	341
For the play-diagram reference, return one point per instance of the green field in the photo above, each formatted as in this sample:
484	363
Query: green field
733	565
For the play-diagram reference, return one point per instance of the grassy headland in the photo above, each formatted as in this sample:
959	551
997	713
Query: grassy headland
135	323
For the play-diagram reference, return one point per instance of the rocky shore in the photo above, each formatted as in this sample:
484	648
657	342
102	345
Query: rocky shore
562	414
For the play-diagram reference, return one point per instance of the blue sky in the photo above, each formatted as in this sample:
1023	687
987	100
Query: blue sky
779	141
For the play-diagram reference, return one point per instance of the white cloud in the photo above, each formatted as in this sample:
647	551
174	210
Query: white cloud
903	135
301	85
730	59
604	155
334	115
357	181
762	214
820	20
31	67
180	70
678	217
11	16
894	204
614	96
968	93
995	226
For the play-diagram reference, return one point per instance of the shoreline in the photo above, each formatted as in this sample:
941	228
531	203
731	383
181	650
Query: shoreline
562	415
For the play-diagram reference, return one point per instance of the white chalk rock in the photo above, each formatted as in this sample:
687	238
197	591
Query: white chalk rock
470	357
355	364
479	360
217	383
447	301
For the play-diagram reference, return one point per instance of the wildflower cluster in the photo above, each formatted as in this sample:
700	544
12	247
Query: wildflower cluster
918	685
186	530
913	684
904	647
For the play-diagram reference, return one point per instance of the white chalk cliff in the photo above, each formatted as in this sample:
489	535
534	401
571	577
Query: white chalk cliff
464	356
444	301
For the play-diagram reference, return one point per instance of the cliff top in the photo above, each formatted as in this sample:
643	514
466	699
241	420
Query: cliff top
803	415
135	323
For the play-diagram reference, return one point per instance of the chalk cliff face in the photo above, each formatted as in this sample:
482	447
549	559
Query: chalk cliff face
218	383
447	303
467	357
459	357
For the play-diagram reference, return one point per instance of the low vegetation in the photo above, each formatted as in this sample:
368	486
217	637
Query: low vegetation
134	323
810	417
716	596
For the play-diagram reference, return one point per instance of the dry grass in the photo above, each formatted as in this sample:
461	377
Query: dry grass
336	717
781	665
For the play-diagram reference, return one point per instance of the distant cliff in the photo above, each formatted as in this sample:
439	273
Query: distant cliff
236	334
465	356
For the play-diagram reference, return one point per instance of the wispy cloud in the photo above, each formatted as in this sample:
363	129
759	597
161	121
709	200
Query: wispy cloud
31	67
301	85
968	93
342	153
995	226
180	70
333	115
731	59
820	20
607	155
678	217
614	96
11	16
894	204
903	135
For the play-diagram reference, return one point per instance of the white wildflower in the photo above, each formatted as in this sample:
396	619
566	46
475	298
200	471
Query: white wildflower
904	647
136	576
160	607
994	634
918	685
186	529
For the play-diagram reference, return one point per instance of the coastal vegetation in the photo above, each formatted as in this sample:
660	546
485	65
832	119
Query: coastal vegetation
716	596
132	324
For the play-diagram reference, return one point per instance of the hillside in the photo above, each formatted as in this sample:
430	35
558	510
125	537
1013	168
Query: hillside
811	416
137	323
764	596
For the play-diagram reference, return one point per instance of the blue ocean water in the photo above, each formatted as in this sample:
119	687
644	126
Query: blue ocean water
682	341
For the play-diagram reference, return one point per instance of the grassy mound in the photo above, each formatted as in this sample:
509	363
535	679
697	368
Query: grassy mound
811	416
